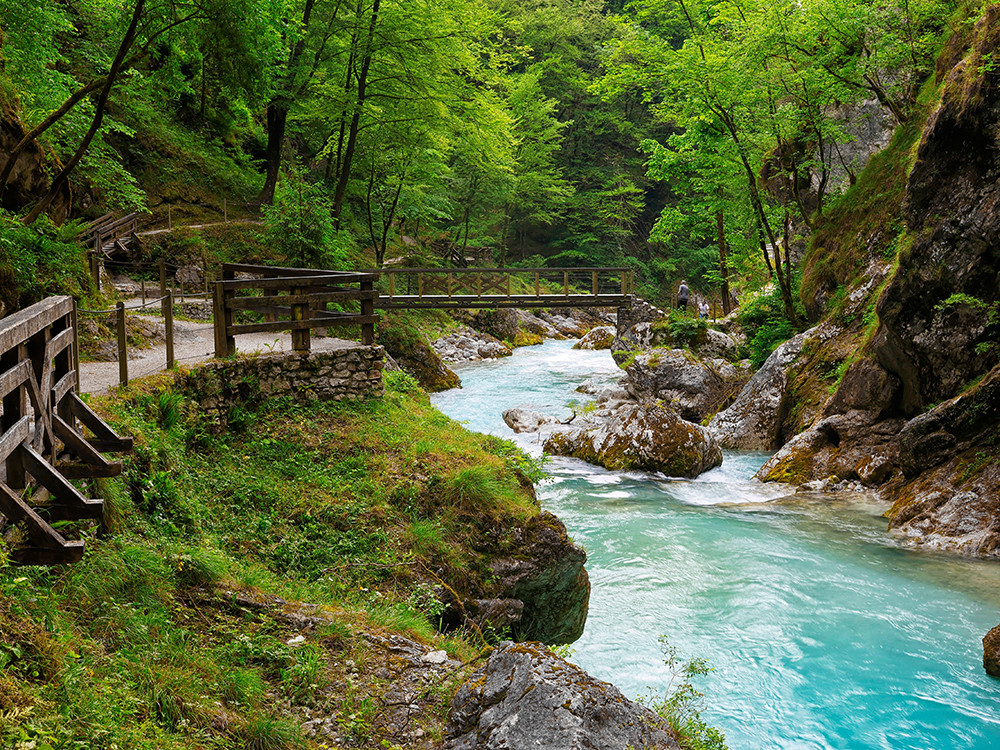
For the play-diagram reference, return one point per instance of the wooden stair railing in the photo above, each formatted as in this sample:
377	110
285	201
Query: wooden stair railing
41	446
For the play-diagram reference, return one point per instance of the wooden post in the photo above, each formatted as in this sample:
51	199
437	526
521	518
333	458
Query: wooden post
122	346
538	285
219	320
450	279
163	277
15	406
300	336
367	308
594	281
565	283
168	322
75	322
392	284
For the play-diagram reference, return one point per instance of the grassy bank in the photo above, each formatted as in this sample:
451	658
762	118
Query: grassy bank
183	628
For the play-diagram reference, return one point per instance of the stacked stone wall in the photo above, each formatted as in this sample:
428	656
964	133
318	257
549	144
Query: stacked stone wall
353	373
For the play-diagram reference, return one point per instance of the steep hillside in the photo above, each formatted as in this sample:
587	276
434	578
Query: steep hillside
908	349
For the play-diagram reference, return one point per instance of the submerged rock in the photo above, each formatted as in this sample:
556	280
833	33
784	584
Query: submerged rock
525	696
648	436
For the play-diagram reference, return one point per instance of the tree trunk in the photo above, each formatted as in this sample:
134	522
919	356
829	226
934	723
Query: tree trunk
352	137
277	117
723	261
95	124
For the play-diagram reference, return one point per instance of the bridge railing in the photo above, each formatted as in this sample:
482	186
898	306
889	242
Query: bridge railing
290	299
504	287
41	445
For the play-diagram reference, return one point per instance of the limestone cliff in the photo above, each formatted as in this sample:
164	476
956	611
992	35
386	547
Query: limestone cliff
896	388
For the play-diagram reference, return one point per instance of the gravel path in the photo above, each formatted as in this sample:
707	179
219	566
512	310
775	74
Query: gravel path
193	343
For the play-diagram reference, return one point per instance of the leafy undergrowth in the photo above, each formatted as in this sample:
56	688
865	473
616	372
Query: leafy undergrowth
182	627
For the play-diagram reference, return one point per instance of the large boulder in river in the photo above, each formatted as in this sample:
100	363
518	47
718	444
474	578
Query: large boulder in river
501	322
525	696
600	337
549	577
754	421
649	436
526	420
695	389
991	652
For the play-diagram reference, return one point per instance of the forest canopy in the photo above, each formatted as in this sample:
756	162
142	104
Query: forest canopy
694	138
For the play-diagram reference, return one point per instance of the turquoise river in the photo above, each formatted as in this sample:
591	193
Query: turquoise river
823	631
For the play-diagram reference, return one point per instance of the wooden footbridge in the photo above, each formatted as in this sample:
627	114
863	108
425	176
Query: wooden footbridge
254	299
50	437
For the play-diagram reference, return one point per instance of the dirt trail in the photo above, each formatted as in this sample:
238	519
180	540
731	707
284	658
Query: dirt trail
193	343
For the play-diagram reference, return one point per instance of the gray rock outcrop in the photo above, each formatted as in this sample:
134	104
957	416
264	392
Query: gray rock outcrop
525	420
755	419
694	388
525	696
468	345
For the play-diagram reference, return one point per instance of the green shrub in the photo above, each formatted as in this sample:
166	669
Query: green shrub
765	324
40	260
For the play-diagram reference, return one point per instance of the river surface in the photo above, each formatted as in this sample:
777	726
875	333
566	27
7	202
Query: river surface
823	632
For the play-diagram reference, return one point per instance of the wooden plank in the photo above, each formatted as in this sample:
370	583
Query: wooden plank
480	269
65	494
271	271
261	304
107	440
14	437
58	343
39	532
66	384
24	324
15	377
284	282
68	553
293	325
78	446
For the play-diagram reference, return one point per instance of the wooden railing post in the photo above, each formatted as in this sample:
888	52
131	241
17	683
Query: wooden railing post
594	281
367	308
219	320
300	336
168	321
122	345
565	283
163	277
15	406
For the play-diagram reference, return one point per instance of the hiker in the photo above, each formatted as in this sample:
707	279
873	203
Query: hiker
682	296
703	310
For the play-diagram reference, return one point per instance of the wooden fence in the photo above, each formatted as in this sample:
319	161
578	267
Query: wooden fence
105	235
416	288
41	445
290	299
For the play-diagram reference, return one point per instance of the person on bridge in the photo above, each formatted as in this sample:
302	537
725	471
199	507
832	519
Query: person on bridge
682	296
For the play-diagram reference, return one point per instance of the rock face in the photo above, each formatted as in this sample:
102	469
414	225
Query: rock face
648	436
548	576
30	178
420	360
600	337
951	207
467	345
951	455
500	323
525	696
695	389
755	419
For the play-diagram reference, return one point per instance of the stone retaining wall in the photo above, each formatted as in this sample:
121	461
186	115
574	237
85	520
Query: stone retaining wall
352	373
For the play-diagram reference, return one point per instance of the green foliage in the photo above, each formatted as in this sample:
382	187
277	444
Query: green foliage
38	261
990	312
681	703
765	324
300	226
527	465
